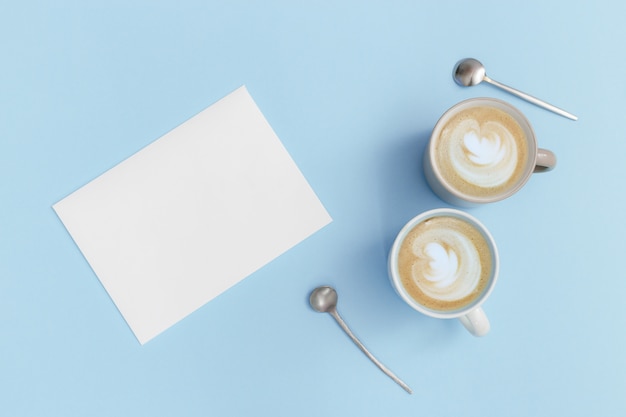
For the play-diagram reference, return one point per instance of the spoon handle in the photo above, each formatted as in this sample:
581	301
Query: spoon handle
382	367
530	98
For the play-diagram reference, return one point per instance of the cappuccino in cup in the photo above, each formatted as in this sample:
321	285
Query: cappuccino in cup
482	150
444	263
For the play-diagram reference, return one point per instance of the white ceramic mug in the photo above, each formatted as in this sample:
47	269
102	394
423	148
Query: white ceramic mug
428	231
454	168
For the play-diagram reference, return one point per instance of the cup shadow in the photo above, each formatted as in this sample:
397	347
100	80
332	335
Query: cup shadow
403	193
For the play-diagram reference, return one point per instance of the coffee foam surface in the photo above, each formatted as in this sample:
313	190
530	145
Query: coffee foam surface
482	150
486	155
444	263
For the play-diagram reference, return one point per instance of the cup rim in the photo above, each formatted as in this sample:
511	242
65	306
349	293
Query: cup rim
394	274
519	117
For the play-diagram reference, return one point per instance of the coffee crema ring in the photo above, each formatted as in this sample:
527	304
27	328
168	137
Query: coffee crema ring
482	152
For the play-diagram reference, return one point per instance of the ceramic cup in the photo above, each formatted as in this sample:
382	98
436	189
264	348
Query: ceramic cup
482	150
444	264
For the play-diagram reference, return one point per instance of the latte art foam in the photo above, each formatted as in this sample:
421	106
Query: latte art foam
444	263
445	269
482	151
483	155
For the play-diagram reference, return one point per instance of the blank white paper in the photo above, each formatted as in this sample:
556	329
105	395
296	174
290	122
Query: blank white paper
192	214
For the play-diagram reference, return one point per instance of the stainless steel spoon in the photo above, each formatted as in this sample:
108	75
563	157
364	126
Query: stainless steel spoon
324	300
469	71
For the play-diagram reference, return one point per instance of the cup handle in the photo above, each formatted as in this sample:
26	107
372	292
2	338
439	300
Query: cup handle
476	322
546	160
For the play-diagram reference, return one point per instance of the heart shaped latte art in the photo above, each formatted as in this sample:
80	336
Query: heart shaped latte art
443	265
484	154
447	265
484	150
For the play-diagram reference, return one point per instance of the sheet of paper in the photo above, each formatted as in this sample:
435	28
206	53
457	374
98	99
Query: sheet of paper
192	214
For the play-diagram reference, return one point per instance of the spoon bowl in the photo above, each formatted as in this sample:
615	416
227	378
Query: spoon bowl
323	299
469	72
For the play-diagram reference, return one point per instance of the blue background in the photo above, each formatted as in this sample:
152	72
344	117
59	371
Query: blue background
353	89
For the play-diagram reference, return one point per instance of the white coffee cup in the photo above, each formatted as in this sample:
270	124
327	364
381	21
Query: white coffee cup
433	287
482	150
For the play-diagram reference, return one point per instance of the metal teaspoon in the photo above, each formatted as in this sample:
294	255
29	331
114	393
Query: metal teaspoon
324	300
469	71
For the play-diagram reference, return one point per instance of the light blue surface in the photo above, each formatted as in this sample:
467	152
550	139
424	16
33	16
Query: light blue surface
352	88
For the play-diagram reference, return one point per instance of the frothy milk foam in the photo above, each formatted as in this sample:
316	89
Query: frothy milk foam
481	151
445	263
